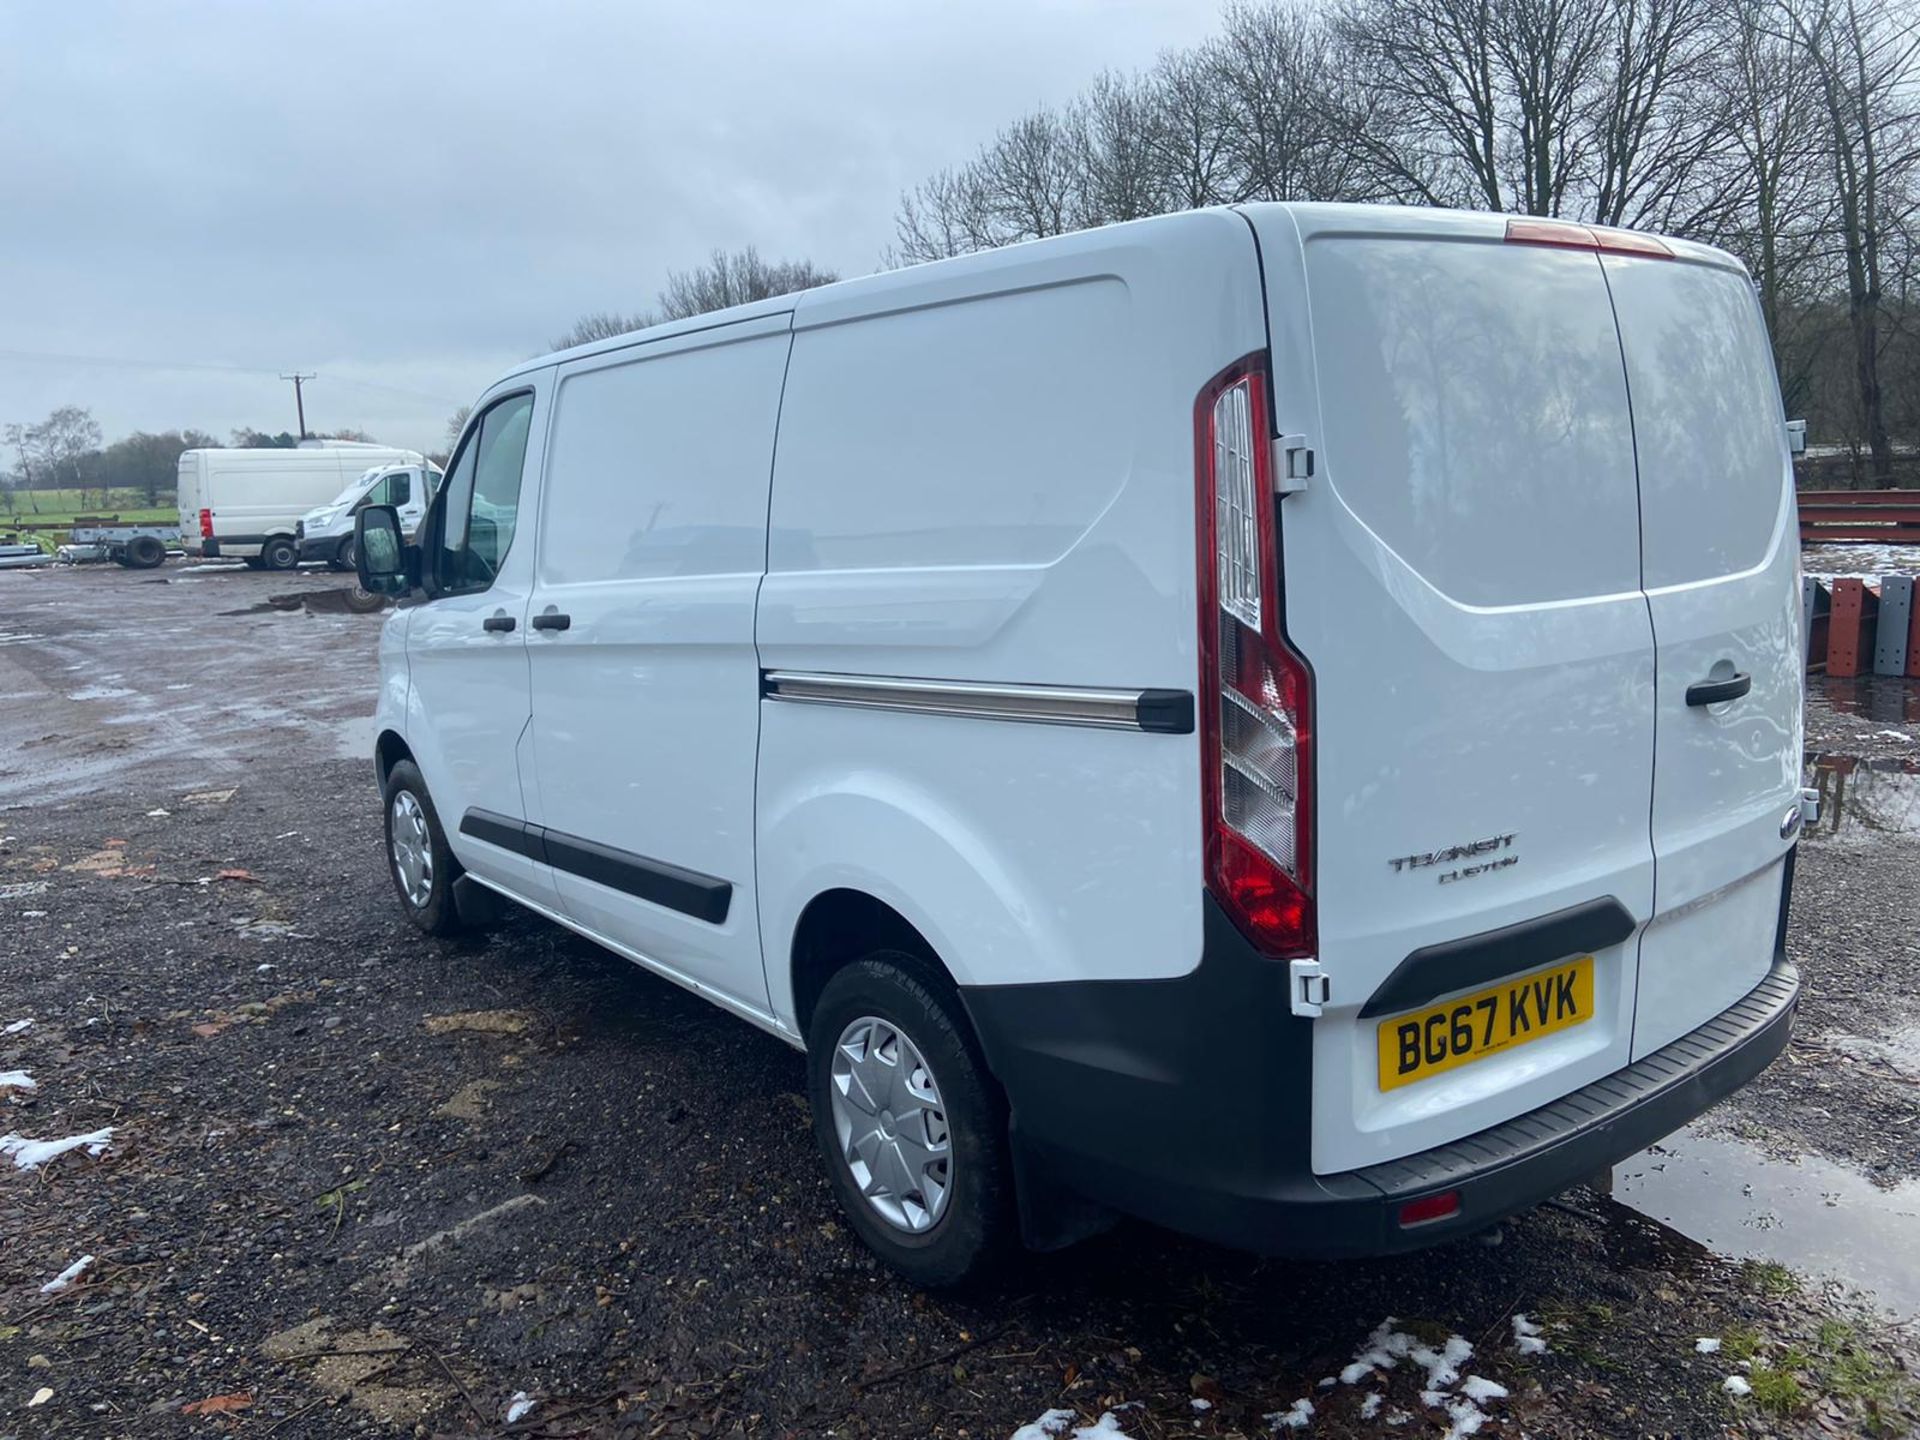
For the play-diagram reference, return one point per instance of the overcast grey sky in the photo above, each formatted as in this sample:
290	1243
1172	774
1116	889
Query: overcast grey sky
416	195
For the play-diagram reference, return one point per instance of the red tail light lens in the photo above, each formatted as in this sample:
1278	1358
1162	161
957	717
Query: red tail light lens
1429	1208
1255	692
206	524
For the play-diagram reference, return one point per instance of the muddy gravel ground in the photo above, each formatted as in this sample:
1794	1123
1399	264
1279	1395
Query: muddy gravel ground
361	1183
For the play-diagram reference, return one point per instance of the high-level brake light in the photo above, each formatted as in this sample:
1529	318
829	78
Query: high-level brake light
1565	234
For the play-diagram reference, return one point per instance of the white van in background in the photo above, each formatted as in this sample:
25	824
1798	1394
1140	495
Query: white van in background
1423	849
326	533
245	503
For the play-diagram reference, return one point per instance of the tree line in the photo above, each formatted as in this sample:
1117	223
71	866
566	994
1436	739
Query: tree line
65	452
1786	131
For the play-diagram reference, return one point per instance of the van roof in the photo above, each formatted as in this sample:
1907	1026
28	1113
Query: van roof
924	283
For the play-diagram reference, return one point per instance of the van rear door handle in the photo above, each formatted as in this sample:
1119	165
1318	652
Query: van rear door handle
551	620
500	621
1712	692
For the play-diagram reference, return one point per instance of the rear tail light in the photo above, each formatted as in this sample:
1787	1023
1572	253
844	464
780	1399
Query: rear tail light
206	524
1569	236
1255	692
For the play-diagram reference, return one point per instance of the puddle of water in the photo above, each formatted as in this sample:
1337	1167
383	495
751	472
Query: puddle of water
1814	1216
353	739
1883	699
100	692
1860	799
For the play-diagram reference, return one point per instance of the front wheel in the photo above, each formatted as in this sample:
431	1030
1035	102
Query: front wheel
279	553
422	867
911	1125
346	557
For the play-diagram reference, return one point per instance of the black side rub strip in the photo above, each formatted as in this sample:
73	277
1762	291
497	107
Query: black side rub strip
1436	970
655	881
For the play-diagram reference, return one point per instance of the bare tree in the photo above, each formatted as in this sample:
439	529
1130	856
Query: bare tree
735	278
600	325
1862	53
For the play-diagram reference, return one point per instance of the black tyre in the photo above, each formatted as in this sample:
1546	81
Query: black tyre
364	602
911	1125
254	562
145	552
346	556
279	553
422	867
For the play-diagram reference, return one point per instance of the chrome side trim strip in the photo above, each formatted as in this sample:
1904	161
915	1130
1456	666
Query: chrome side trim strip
1168	712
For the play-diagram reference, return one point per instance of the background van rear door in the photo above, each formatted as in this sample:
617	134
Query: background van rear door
1720	548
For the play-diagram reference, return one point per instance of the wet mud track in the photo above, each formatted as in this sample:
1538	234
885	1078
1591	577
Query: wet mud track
360	1183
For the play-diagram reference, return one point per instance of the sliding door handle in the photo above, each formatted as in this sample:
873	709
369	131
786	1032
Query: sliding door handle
1712	692
551	619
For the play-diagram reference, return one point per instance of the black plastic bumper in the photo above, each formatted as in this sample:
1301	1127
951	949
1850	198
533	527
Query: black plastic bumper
1187	1102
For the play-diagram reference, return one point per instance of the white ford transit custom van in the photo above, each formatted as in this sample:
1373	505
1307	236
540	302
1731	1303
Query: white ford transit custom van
1282	721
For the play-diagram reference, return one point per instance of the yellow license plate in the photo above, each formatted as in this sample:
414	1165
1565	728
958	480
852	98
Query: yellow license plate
1514	1012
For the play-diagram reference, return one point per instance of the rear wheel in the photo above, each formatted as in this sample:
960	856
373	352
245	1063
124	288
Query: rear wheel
279	553
145	552
910	1123
422	867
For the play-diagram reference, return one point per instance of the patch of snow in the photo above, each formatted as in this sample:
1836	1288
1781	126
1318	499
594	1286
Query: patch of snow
1399	1417
1706	1344
1054	1422
1356	1372
1433	1399
1736	1385
519	1407
1370	1406
1479	1389
1894	735
159	814
1107	1427
1201	1405
17	1026
1297	1416
1466	1418
67	1276
17	1080
1443	1365
1527	1337
1326	1382
31	1154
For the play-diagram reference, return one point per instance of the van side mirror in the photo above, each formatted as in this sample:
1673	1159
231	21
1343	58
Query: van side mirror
387	564
1797	437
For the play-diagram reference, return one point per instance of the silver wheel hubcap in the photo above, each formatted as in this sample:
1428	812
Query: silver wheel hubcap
891	1124
412	849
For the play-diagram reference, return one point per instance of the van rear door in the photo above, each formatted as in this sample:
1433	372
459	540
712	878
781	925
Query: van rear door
1720	552
1462	574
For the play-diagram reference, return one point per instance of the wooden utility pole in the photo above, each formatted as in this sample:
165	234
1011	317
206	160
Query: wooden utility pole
299	400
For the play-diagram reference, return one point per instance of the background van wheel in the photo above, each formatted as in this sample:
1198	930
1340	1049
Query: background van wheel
911	1125
422	867
279	553
254	562
346	556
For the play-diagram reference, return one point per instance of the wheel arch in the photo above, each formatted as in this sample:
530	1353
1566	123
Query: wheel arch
841	925
389	750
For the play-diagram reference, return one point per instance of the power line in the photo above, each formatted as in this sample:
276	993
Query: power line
124	363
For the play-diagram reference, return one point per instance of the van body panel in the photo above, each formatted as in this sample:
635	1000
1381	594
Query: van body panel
255	494
469	696
1462	574
646	709
1722	547
985	473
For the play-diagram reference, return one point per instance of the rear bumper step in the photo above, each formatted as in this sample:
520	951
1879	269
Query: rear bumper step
1187	1103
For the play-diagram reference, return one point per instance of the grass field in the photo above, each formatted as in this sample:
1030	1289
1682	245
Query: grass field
37	508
